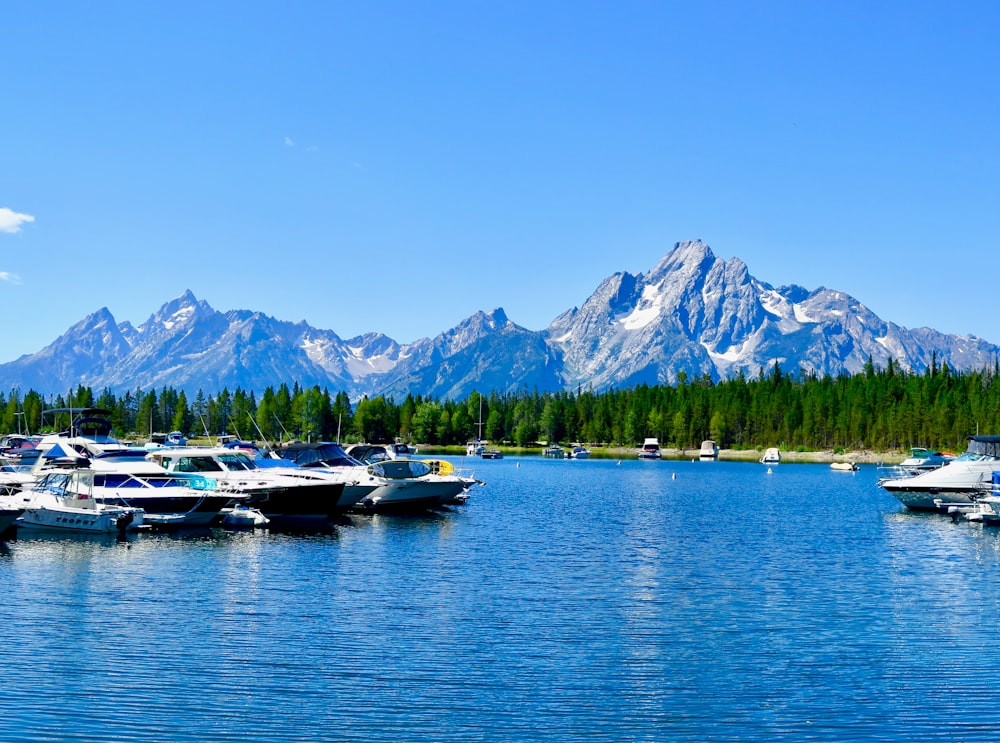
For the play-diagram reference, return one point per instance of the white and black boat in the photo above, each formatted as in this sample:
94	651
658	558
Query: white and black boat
959	482
168	499
331	458
62	500
407	484
300	500
650	449
918	461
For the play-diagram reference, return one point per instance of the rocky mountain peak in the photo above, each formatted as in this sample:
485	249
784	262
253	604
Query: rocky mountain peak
692	312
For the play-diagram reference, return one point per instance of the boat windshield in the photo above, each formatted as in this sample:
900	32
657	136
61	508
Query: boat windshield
55	483
400	469
982	448
234	462
331	455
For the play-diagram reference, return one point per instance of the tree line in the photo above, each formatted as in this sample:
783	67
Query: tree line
880	408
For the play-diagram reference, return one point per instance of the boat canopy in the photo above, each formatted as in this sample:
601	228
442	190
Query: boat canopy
316	455
399	469
58	453
983	446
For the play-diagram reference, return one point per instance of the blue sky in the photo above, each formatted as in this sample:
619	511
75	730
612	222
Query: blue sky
396	166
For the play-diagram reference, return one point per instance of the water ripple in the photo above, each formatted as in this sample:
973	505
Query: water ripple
567	600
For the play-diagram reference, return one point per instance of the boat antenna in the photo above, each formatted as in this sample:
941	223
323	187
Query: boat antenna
261	433
20	413
204	427
278	421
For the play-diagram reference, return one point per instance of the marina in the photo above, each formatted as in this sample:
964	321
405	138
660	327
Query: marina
613	601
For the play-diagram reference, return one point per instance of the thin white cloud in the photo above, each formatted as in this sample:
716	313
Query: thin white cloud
11	221
10	278
289	142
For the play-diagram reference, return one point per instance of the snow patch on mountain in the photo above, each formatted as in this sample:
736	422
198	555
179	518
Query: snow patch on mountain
640	318
802	315
693	313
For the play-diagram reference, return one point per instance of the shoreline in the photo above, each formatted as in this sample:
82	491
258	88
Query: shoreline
801	457
864	456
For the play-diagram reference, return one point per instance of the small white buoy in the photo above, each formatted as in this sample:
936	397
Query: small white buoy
769	470
619	461
518	464
673	476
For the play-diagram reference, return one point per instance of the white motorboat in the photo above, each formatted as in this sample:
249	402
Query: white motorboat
241	517
958	482
475	448
385	482
368	453
985	508
290	497
14	478
64	501
329	457
168	499
578	452
406	483
14	441
844	466
771	456
412	484
650	449
709	450
918	461
89	433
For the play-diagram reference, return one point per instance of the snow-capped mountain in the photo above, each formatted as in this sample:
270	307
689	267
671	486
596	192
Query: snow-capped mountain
692	313
699	314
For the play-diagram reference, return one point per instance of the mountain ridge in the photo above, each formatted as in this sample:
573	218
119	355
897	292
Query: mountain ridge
692	312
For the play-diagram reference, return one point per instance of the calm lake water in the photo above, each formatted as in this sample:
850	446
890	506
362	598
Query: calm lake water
568	600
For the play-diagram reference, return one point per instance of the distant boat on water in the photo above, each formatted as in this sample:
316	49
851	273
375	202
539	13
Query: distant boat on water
709	450
771	456
650	449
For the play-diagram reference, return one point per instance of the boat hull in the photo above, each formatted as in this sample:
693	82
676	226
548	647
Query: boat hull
959	482
415	495
7	518
298	506
199	509
103	521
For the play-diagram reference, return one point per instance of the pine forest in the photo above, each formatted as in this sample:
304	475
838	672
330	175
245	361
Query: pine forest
879	409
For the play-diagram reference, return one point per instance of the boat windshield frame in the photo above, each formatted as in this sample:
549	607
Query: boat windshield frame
981	448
